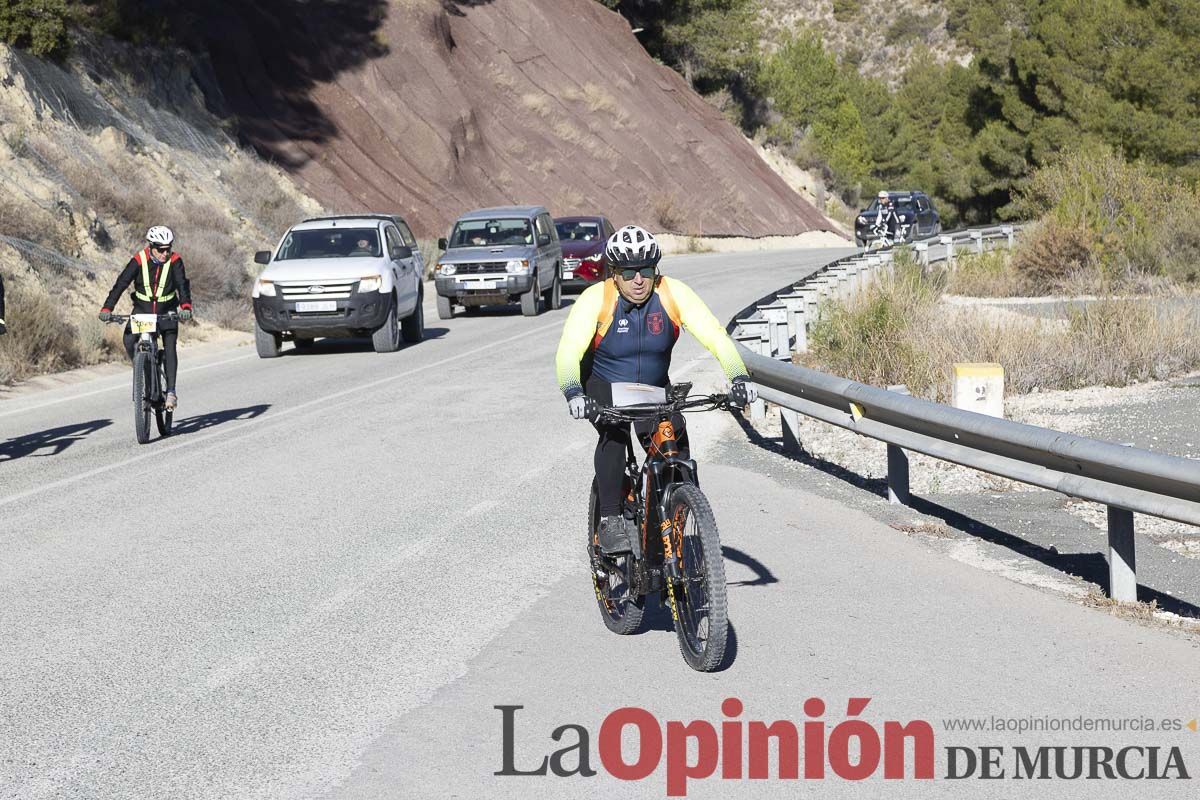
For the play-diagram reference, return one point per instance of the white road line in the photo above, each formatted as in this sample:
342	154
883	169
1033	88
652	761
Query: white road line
124	385
254	424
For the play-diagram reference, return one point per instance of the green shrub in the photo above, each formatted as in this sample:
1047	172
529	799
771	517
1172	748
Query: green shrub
1132	221
910	26
846	10
39	26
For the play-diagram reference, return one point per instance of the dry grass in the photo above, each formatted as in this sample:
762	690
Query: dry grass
234	314
258	197
1146	613
667	210
27	220
42	337
898	332
989	275
537	103
216	268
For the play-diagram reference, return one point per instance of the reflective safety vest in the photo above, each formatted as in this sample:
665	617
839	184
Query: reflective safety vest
609	307
143	258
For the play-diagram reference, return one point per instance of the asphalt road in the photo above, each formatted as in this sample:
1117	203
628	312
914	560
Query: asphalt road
325	582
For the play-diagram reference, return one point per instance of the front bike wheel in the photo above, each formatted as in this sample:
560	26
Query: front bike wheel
141	399
703	611
620	608
163	417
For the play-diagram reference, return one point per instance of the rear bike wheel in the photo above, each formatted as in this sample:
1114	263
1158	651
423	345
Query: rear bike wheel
620	608
701	604
142	376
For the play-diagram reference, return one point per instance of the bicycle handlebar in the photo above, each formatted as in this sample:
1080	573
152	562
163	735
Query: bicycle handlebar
119	318
642	411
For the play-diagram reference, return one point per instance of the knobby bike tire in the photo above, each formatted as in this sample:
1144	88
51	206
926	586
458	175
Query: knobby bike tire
141	402
701	632
622	615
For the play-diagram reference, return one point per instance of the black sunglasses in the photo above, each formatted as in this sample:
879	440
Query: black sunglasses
163	248
629	272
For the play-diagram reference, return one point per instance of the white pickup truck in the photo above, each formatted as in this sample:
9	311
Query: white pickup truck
340	276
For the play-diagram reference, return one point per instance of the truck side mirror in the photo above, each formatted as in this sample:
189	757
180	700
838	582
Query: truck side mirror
401	252
543	239
262	257
442	243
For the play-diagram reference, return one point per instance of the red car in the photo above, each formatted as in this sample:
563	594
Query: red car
583	240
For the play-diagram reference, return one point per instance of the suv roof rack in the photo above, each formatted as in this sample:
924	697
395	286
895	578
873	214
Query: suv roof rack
337	217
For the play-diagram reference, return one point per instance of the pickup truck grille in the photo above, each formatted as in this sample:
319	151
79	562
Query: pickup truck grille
473	268
571	263
331	290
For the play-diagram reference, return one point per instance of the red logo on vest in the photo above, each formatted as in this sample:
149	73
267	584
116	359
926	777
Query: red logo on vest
654	322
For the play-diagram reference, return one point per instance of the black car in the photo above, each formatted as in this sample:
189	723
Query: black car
917	218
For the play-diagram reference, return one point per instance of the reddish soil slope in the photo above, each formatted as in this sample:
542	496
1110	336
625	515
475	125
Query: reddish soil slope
432	107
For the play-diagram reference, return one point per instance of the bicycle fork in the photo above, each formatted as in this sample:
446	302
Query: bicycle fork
671	571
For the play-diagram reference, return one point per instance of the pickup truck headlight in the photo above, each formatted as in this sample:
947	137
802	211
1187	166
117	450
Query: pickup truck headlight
447	269
903	218
371	283
516	266
862	220
596	257
266	288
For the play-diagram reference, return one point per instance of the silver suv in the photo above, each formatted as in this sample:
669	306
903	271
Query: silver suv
500	255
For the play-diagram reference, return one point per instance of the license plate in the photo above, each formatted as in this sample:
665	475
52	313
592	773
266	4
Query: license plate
316	305
482	284
143	323
568	274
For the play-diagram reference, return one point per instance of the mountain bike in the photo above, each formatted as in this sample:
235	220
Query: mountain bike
880	238
677	552
149	374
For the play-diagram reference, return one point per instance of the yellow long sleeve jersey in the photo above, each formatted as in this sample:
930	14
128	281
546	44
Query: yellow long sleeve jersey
607	336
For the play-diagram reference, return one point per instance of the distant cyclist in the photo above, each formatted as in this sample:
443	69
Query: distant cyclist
887	221
623	331
160	285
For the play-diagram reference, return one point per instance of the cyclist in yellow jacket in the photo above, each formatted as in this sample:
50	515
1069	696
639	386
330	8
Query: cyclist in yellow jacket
623	331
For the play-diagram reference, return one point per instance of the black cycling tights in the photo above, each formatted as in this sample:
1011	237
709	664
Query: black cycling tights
611	456
170	356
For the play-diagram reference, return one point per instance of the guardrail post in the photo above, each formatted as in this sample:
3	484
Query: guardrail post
861	275
922	249
1122	561
796	319
777	330
789	422
978	237
948	243
1007	230
897	465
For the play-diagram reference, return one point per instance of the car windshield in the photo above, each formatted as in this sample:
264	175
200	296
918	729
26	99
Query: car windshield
485	232
330	243
900	203
573	231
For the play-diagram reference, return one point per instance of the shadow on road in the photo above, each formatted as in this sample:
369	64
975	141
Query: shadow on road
53	441
353	344
762	575
1090	567
204	421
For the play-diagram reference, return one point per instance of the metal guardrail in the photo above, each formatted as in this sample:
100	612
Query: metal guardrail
1125	479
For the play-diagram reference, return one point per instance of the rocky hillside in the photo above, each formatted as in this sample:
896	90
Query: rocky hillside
91	154
432	107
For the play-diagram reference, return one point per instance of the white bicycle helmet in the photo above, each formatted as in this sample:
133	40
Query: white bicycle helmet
632	247
160	235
